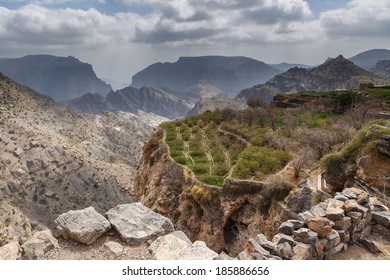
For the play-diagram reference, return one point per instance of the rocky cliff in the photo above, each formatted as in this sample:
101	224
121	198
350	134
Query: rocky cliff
61	78
221	217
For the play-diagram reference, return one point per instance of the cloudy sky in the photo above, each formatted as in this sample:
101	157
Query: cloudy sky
121	37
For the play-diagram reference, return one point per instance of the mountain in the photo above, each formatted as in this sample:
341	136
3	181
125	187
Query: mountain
228	74
54	160
382	69
61	78
369	59
286	66
160	101
337	73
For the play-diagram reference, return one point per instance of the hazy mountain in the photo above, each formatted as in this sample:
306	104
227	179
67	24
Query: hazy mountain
337	73
160	101
61	78
228	74
286	66
369	59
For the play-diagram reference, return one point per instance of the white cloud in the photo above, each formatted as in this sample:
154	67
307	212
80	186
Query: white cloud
360	18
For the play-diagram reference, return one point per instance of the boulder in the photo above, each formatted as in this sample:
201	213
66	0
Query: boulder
320	245
284	250
334	239
356	217
352	205
198	251
289	226
363	198
282	238
340	197
169	247
265	243
382	218
344	236
136	223
320	225
334	214
375	205
370	245
113	248
10	251
85	225
254	247
40	243
306	236
352	193
343	224
302	252
305	215
319	209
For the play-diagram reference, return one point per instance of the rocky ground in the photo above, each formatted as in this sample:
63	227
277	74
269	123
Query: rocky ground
73	250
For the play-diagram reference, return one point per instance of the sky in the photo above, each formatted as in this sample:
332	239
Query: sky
121	37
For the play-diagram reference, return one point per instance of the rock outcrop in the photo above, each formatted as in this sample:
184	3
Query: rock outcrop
85	226
40	243
10	251
137	224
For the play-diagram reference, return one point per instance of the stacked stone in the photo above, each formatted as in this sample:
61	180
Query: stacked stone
328	228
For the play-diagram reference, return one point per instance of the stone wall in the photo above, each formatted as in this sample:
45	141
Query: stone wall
328	228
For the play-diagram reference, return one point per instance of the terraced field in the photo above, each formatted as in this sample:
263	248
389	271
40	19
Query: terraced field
214	150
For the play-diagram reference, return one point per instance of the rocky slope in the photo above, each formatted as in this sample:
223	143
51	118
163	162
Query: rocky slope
160	101
61	78
337	73
53	160
229	74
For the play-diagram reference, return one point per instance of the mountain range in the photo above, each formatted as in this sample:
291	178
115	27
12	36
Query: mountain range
61	78
161	101
337	73
228	74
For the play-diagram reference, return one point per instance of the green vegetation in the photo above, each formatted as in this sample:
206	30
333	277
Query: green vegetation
261	140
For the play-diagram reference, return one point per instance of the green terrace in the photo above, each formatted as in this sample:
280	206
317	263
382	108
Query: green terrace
213	149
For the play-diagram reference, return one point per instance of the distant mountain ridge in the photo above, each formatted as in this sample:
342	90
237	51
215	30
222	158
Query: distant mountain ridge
337	73
160	101
229	74
61	78
368	59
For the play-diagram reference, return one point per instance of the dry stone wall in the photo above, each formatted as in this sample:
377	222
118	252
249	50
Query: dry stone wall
326	229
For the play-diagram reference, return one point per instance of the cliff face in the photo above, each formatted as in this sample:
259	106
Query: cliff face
218	216
61	78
